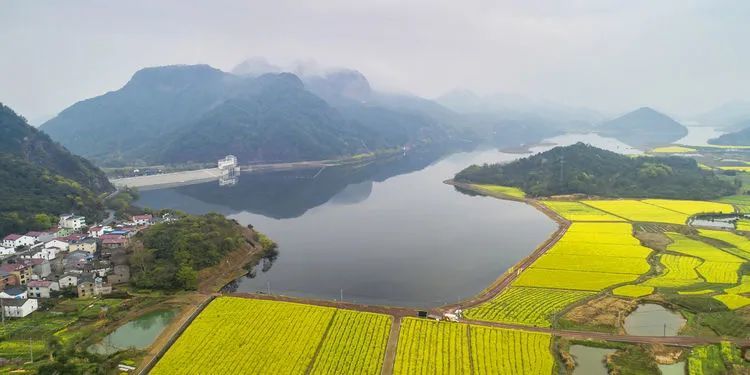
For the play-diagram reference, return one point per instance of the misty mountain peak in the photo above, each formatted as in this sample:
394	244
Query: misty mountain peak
254	67
341	84
175	75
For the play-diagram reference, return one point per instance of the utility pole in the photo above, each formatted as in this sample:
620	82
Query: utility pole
31	350
268	287
665	329
342	294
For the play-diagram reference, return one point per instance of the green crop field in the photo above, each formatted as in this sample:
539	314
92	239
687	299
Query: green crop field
742	202
635	210
577	211
529	306
429	347
679	271
237	335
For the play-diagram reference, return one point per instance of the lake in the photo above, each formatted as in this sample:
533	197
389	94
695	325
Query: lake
388	232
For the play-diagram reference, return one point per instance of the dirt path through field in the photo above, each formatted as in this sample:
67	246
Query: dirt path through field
389	361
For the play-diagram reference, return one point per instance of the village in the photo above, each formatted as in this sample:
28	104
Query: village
69	260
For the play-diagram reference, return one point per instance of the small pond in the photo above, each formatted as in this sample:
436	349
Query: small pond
590	361
715	221
653	320
138	333
673	369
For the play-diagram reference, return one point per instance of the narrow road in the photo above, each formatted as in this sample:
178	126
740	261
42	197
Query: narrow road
389	361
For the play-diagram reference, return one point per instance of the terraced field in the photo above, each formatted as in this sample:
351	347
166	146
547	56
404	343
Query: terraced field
577	211
737	241
237	335
529	306
679	271
742	202
429	347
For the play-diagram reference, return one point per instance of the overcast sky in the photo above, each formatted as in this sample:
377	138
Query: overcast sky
679	56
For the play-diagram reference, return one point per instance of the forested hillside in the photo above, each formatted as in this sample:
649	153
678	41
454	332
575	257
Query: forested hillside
585	169
41	179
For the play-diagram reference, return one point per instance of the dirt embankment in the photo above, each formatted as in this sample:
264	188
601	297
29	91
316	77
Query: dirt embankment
234	264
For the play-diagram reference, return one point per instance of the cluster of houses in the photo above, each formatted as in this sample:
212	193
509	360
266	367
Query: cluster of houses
69	258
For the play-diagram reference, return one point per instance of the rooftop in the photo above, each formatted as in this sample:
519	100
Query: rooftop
18	302
12	237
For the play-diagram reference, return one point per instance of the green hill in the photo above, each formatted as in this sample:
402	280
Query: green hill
585	169
42	178
738	138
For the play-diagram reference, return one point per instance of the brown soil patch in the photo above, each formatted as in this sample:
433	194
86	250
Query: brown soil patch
656	241
602	311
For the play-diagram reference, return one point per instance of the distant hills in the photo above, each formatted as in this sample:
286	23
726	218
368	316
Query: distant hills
733	115
738	138
643	127
195	113
584	169
42	178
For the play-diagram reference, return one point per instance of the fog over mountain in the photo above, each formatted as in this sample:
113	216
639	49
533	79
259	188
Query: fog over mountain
683	58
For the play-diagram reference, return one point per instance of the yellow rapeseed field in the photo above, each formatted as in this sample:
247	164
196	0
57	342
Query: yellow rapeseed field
431	348
577	211
679	271
574	280
633	291
691	207
635	210
736	240
502	190
672	150
733	301
529	306
246	336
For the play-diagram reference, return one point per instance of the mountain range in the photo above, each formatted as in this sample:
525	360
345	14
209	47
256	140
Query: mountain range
43	179
195	114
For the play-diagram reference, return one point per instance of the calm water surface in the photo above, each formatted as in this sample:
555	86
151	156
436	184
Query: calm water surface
390	232
589	360
139	333
653	320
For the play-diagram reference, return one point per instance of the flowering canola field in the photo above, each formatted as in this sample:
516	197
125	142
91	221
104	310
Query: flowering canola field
429	347
577	211
246	336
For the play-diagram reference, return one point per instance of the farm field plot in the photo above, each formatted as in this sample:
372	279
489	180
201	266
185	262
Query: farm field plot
530	306
743	287
679	271
695	248
719	272
733	301
430	347
238	335
502	351
577	211
504	190
672	150
691	207
743	225
635	210
355	344
574	280
740	242
633	290
742	202
611	264
600	250
601	233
